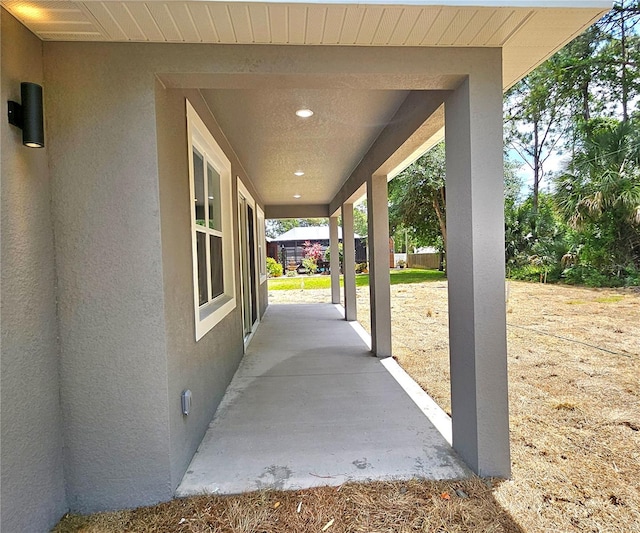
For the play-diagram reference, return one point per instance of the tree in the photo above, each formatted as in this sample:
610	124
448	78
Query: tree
600	194
621	54
312	254
417	199
537	255
360	222
536	119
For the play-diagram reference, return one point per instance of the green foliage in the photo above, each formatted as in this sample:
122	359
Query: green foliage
536	119
362	268
512	181
312	254
417	199
327	253
360	222
274	269
599	196
532	237
618	55
538	273
580	103
587	274
310	265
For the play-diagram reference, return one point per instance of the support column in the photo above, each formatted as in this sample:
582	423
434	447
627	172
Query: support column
475	269
334	261
349	266
379	281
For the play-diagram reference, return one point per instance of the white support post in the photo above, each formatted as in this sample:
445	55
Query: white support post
334	261
349	266
379	280
475	269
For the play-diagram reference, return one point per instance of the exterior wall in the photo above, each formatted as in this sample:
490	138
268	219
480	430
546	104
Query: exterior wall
207	366
263	294
33	493
117	147
106	215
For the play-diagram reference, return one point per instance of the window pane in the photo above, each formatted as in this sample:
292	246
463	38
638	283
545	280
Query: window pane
217	280
203	296
215	215
198	179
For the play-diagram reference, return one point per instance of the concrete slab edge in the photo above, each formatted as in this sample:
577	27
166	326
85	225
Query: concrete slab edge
357	327
435	414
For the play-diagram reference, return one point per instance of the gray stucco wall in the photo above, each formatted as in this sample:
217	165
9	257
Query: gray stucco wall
106	215
117	151
118	158
263	294
33	493
207	366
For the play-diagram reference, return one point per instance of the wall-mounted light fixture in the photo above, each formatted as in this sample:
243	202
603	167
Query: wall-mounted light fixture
29	116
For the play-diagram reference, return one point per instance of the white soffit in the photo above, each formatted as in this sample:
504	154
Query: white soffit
528	31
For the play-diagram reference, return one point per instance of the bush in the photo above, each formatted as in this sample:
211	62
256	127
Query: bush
536	273
632	276
361	268
587	274
291	273
310	265
327	253
274	269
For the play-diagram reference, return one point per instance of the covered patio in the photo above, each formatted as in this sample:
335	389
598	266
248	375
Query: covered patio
309	406
173	130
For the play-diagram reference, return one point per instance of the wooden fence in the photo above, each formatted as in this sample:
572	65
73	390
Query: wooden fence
426	261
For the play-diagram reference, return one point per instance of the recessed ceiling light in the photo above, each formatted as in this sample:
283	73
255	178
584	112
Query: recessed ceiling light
304	113
296	196
299	173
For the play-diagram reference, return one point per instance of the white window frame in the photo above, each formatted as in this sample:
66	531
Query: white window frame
262	245
243	192
215	309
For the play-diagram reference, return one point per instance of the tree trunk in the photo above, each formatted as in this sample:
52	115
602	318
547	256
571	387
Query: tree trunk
623	74
536	166
586	114
441	219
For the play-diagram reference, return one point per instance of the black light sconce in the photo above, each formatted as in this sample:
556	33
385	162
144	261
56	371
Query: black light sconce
29	116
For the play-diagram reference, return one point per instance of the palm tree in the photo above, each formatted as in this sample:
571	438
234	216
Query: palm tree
600	191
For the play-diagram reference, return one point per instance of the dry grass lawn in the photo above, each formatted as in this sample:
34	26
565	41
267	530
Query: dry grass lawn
574	376
574	370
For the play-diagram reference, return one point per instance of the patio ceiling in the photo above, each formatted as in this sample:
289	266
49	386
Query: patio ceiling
270	140
273	143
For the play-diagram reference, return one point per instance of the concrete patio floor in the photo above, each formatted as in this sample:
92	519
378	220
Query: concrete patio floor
310	405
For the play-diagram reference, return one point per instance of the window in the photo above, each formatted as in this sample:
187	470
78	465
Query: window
262	243
211	226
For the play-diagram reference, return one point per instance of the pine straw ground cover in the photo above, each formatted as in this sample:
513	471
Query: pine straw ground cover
353	507
574	393
574	367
